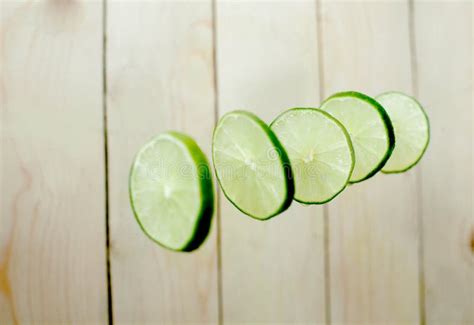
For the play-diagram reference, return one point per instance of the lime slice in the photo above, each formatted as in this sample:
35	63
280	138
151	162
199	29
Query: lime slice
320	153
369	127
412	130
171	191
251	166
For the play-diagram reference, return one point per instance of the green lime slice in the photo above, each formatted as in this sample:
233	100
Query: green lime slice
320	153
251	165
412	130
171	191
369	127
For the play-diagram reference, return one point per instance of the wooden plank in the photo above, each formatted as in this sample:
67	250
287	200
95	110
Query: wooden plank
443	34
160	77
373	237
272	271
52	233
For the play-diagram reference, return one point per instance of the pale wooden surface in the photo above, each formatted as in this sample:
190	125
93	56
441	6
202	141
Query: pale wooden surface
395	249
266	63
52	222
160	77
445	86
373	225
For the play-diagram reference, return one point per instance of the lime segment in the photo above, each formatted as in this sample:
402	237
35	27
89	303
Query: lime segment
251	165
171	191
411	127
320	153
370	130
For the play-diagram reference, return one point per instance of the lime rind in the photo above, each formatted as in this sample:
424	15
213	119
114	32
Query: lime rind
203	219
428	131
348	143
282	157
387	124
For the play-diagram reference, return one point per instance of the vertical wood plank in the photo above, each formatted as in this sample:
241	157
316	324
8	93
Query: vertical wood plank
373	238
160	77
443	34
273	271
52	221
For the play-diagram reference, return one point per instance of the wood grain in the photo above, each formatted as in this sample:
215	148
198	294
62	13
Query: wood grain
160	77
272	271
52	222
444	61
400	247
373	233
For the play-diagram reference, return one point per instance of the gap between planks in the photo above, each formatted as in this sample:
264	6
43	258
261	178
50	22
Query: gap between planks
106	162
220	298
322	94
419	189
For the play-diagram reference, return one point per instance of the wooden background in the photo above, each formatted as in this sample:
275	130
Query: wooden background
84	83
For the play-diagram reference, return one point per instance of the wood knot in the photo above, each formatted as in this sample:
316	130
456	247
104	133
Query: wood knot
471	244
